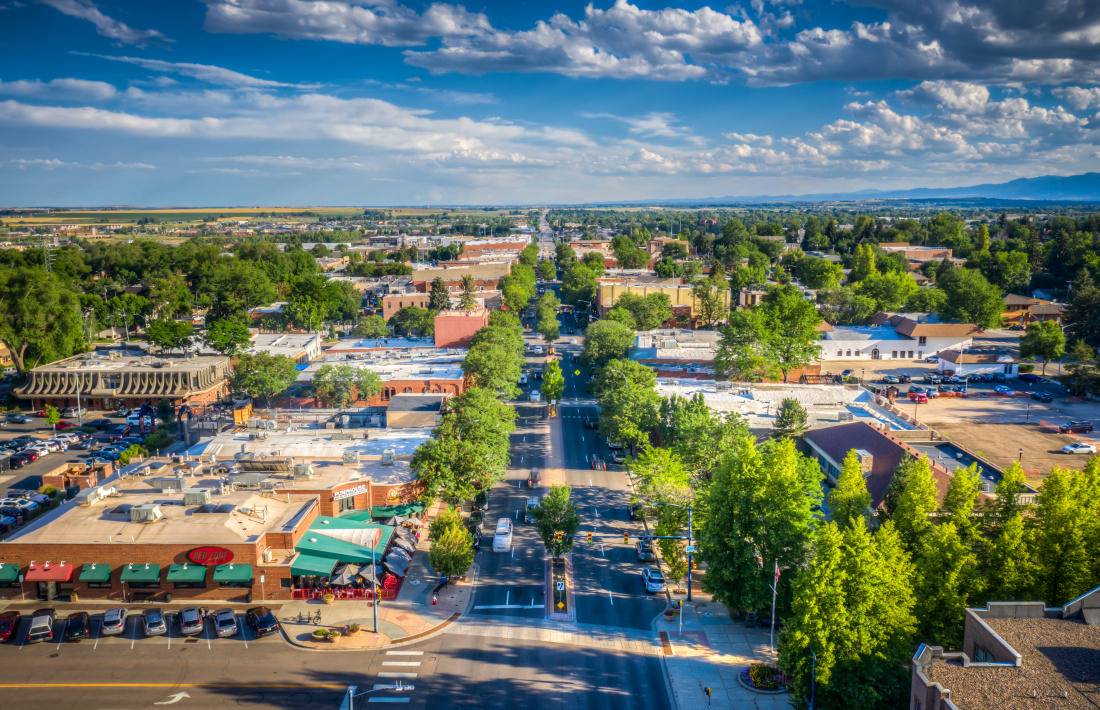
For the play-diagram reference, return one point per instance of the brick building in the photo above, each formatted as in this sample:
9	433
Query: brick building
458	328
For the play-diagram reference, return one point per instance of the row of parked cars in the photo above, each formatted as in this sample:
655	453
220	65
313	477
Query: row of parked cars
154	622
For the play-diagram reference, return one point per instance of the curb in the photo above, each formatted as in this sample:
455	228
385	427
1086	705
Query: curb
420	636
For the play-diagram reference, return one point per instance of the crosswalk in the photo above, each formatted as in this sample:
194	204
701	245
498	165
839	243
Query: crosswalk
399	669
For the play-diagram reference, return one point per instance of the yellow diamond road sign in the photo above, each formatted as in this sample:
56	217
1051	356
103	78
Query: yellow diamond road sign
577	373
561	605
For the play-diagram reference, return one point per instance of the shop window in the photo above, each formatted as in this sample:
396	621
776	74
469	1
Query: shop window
840	353
345	504
144	585
286	583
922	340
96	585
910	354
184	585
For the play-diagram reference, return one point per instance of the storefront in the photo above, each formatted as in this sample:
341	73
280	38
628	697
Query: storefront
51	579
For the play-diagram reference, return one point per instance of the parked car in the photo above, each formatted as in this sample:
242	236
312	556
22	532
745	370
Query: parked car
932	358
7	522
225	623
1042	397
121	412
1082	426
153	623
9	623
17	418
618	455
644	550
502	537
114	622
70	412
76	626
529	510
918	397
41	627
23	458
192	619
890	380
653	580
262	621
1078	447
118	432
101	423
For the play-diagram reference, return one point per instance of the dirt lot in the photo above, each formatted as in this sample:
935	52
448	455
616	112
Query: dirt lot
998	427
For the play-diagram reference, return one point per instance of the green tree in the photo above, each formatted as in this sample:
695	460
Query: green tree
699	436
850	500
440	298
553	382
578	286
132	453
647	312
946	581
665	486
606	340
927	300
777	336
40	319
1061	545
1045	341
53	416
372	326
467	300
228	337
547	312
760	510
263	376
971	299
495	361
170	334
629	254
863	263
1083	310
790	419
413	322
915	501
626	391
170	295
548	271
711	296
961	500
557	521
1008	565
1082	373
448	517
890	290
452	552
340	385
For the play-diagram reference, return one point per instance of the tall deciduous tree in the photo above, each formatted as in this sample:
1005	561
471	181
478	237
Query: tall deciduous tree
228	336
553	382
971	299
946	583
850	500
626	391
775	337
557	521
40	319
711	296
340	385
452	552
915	501
1083	310
170	334
1061	538
263	375
372	326
1045	341
961	500
606	340
440	298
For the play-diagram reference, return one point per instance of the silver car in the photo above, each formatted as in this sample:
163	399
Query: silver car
192	621
114	622
654	580
152	620
225	622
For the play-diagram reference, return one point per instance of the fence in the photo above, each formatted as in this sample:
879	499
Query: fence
385	593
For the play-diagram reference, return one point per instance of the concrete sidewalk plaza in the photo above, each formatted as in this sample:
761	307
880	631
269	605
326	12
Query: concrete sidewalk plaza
709	653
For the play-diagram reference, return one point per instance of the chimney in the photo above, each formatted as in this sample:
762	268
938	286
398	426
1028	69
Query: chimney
866	461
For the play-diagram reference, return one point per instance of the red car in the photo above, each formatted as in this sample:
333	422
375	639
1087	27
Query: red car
9	622
62	426
918	397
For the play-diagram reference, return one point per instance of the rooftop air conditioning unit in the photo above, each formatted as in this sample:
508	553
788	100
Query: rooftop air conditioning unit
196	496
303	470
389	455
146	513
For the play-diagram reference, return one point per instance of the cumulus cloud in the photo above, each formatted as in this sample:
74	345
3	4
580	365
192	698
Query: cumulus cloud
208	73
60	89
1079	97
656	124
104	25
363	22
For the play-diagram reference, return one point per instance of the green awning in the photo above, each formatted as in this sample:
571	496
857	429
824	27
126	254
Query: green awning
345	540
404	510
140	573
9	572
95	573
311	566
187	574
232	573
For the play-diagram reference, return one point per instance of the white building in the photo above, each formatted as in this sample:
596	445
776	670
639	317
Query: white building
300	347
981	362
895	337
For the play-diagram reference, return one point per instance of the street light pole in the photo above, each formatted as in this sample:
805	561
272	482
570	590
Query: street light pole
691	549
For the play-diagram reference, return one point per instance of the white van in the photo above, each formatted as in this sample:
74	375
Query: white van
502	538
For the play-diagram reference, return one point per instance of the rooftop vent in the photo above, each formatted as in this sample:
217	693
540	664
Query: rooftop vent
145	513
196	496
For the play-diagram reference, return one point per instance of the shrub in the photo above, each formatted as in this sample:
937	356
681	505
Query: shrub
766	677
50	491
353	628
1026	367
320	634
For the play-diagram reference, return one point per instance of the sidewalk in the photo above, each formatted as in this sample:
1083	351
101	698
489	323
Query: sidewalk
710	653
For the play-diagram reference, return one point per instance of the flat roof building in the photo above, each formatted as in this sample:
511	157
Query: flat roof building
107	379
299	347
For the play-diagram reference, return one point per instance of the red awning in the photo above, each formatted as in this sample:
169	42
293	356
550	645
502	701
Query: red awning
49	572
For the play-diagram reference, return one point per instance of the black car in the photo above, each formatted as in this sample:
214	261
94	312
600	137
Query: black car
1042	397
102	423
590	423
76	626
118	432
262	621
1030	377
21	459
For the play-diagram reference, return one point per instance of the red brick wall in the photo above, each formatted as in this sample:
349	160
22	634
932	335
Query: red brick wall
458	329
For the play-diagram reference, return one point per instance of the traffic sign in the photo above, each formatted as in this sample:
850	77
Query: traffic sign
561	605
560	584
577	373
690	549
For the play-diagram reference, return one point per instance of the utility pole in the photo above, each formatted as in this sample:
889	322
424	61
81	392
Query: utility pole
690	549
775	590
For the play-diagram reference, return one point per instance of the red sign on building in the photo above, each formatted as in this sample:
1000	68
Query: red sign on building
210	556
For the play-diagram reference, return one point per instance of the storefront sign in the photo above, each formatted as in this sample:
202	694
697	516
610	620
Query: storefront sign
349	492
210	555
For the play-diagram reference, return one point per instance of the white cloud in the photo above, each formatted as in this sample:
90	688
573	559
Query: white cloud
655	124
104	25
364	22
1079	97
60	89
208	73
57	164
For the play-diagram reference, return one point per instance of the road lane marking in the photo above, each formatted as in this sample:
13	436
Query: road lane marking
610	598
399	687
404	653
174	684
388	700
402	664
509	606
392	674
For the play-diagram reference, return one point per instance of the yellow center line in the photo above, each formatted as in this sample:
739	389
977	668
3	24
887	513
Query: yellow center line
287	686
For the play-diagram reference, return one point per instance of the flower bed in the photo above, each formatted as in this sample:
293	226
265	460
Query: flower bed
763	678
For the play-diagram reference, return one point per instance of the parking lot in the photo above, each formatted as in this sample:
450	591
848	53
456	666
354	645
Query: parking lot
133	637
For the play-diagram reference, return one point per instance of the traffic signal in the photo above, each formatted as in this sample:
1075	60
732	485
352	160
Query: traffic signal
626	538
590	537
559	535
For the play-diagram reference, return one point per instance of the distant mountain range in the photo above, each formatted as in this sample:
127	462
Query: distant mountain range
1046	188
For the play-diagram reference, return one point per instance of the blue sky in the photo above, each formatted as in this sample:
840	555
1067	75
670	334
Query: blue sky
263	102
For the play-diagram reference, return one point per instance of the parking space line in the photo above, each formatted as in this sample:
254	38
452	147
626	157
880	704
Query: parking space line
404	664
404	653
